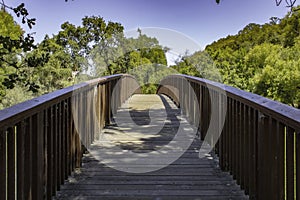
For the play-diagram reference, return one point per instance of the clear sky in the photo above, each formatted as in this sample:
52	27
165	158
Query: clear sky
202	20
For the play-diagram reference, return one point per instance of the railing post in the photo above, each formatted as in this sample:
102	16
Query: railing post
253	153
49	145
280	159
233	138
191	101
3	172
265	179
290	163
239	150
20	159
59	144
230	134
246	144
63	142
298	164
11	175
205	113
69	135
38	155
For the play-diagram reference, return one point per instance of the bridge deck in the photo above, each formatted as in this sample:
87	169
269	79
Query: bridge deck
134	159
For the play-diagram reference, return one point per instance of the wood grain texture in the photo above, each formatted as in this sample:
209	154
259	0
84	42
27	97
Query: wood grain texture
188	177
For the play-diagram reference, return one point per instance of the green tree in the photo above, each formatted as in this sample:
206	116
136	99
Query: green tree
13	44
127	53
199	64
55	72
263	59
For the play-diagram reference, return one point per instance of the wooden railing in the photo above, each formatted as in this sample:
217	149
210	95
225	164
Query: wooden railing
259	143
41	140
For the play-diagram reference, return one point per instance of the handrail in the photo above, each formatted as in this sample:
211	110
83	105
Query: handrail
32	106
259	139
41	139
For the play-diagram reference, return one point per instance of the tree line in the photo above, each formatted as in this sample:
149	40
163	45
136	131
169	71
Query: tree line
75	53
263	59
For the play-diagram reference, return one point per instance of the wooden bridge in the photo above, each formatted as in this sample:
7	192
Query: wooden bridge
195	139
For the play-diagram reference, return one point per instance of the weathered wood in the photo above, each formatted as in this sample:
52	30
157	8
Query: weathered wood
11	162
20	159
3	173
280	135
39	143
242	145
15	114
188	177
149	197
38	156
246	141
234	139
51	153
290	163
261	161
298	164
250	140
28	176
287	114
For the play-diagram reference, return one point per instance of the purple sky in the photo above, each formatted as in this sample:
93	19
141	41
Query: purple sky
202	20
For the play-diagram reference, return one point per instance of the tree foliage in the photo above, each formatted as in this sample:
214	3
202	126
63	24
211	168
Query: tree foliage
58	60
263	59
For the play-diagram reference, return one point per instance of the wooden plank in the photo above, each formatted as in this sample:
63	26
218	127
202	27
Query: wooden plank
231	135
262	140
159	186
298	164
253	115
3	164
171	197
50	152
133	182
21	175
246	141
272	165
234	139
290	187
238	142
205	112
82	120
38	155
60	177
56	181
63	142
28	176
222	152
11	163
68	129
108	103
128	193
201	112
280	175
188	176
73	132
227	139
242	145
216	121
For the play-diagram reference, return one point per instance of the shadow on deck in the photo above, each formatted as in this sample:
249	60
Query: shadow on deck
149	151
